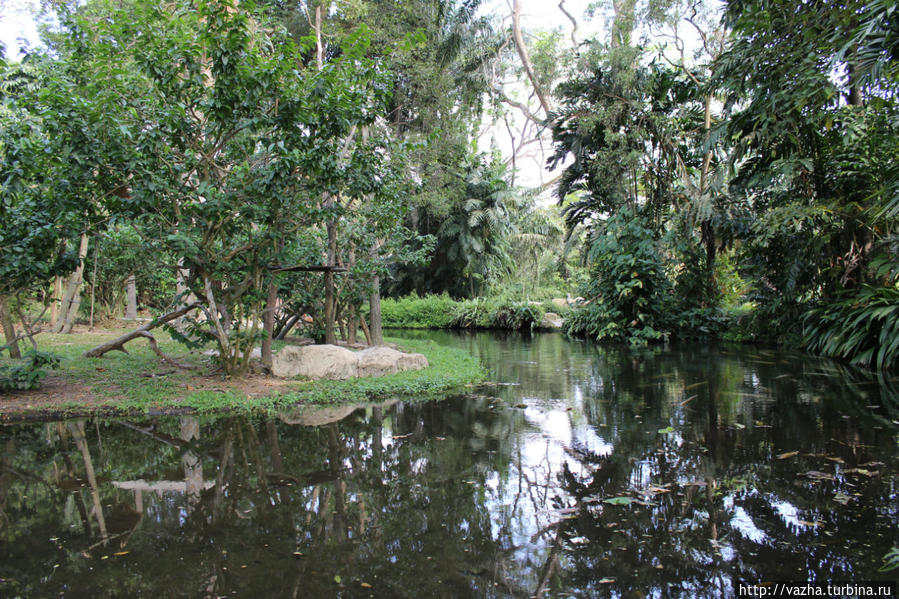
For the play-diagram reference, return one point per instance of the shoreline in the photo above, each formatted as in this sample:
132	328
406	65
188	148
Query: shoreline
139	384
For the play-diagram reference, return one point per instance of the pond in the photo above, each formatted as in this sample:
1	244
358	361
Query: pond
578	471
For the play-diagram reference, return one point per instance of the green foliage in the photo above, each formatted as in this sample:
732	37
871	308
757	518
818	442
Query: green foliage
414	312
472	240
813	134
126	250
498	313
890	560
442	312
28	373
628	291
862	327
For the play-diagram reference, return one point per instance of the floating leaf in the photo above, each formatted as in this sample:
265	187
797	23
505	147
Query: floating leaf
842	498
860	471
619	500
337	578
816	475
666	430
607	581
365	585
787	455
120	553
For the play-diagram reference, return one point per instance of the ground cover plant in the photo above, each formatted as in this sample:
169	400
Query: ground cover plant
139	382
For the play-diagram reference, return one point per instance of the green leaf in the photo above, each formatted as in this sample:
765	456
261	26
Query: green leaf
619	500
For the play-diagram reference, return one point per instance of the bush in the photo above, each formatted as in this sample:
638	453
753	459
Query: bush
862	327
628	289
442	312
28	373
701	323
414	312
515	316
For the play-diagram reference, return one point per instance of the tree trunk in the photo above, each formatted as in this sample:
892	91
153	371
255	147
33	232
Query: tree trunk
351	308
351	323
330	301
622	23
268	322
72	297
525	58
377	335
707	230
9	328
57	298
854	98
131	306
365	331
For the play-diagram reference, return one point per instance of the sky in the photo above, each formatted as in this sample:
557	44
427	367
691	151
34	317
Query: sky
17	21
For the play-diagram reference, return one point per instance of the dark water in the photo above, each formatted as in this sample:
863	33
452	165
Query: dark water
586	472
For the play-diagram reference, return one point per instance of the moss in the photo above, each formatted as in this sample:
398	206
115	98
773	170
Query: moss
139	382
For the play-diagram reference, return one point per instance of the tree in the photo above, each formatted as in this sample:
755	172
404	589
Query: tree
43	173
245	147
815	149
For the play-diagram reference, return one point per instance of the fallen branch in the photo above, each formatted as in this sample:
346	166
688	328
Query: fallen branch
119	343
167	359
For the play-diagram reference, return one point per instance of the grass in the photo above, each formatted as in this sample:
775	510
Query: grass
139	382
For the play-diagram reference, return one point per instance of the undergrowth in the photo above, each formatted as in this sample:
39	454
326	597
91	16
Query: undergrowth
443	312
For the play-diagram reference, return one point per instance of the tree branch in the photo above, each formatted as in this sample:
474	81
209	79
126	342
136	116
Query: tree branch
119	342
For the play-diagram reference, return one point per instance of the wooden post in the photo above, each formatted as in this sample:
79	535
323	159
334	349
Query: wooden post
131	306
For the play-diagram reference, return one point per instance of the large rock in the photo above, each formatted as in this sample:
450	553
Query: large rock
378	361
552	321
333	362
315	362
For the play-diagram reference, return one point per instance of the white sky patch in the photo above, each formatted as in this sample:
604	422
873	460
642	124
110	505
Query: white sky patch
743	523
18	27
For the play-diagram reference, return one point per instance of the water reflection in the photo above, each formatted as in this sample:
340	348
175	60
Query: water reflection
578	472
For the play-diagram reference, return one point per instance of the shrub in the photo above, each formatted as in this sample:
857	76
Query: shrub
28	373
442	312
516	316
414	312
862	327
628	288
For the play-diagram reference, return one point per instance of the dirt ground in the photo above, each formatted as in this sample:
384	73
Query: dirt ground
58	392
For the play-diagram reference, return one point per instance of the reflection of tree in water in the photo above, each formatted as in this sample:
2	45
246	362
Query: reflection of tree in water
392	500
715	505
472	496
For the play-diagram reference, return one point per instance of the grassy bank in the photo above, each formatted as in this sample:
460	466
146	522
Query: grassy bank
443	312
138	382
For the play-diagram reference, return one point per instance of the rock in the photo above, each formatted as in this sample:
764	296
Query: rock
551	320
333	362
377	361
411	362
318	416
315	362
